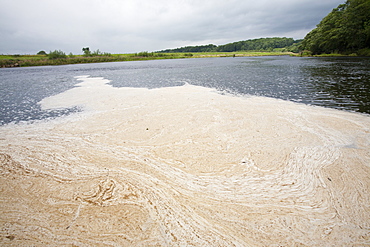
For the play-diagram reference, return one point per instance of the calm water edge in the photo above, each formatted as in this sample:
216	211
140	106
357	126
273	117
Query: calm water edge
341	83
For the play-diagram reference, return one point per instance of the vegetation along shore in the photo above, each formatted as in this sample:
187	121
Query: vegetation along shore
343	32
42	60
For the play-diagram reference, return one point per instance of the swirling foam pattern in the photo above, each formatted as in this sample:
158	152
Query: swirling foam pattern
184	166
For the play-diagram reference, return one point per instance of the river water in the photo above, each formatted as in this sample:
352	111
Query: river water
341	83
187	153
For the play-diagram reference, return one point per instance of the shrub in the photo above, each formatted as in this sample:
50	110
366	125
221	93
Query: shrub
86	51
106	54
143	54
306	53
96	53
57	54
364	52
41	53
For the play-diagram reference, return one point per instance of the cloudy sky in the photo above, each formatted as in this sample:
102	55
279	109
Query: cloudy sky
125	26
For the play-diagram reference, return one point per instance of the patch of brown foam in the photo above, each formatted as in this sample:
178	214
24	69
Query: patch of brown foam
185	166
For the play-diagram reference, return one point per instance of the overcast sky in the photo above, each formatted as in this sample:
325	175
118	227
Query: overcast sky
126	26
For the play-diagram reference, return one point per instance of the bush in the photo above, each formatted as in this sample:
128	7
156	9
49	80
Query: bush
306	53
86	51
364	52
144	54
96	53
41	53
57	54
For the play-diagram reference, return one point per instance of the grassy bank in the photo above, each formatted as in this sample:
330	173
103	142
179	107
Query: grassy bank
240	54
42	60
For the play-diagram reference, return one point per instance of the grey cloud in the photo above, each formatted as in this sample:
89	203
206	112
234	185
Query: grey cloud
117	26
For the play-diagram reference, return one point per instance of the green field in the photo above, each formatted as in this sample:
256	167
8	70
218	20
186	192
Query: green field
42	60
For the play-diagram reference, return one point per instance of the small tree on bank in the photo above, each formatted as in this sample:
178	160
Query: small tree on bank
86	51
97	53
42	53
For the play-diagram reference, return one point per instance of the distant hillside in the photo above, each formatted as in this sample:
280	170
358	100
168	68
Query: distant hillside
262	44
344	30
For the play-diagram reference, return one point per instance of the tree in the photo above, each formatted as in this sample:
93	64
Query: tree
199	48
41	53
345	29
262	44
358	26
86	51
57	54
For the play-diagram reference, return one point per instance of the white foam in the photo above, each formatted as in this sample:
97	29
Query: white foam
186	166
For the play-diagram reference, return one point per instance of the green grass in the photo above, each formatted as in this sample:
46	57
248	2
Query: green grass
42	60
362	52
240	54
333	55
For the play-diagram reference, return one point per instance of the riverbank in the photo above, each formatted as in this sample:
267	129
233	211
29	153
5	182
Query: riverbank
8	61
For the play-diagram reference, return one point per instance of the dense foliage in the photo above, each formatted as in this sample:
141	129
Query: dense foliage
42	53
199	48
262	44
345	30
57	54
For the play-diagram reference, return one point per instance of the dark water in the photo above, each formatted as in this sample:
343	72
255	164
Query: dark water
341	83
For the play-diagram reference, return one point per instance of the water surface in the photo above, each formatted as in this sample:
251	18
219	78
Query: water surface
341	83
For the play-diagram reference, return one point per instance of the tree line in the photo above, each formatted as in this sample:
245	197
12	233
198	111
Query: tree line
59	54
345	30
262	44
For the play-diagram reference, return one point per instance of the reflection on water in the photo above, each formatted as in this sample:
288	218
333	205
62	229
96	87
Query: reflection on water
341	83
23	88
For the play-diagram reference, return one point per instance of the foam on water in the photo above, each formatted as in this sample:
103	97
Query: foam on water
185	166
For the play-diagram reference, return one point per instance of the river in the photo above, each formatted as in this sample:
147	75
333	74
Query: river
341	83
259	151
